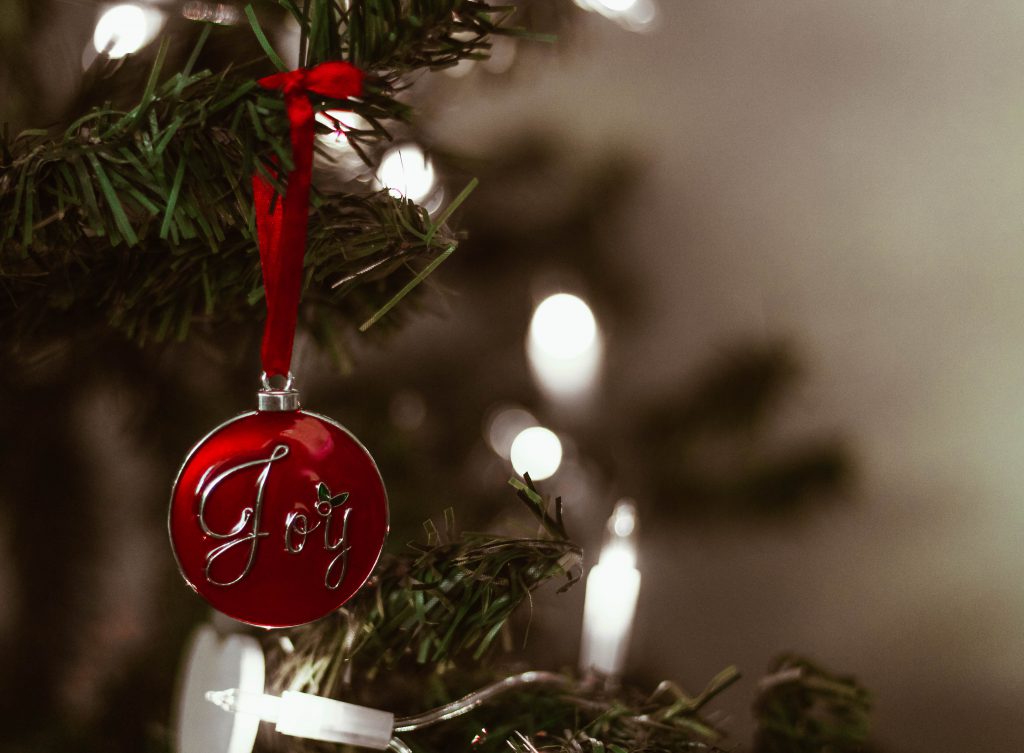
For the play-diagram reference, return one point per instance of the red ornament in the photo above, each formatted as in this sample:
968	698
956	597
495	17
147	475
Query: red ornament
278	516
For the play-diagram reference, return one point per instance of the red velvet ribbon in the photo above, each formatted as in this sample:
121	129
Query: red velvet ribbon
281	226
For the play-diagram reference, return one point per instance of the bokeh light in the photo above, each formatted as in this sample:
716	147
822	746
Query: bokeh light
620	546
340	121
635	15
563	326
406	171
536	451
564	346
503	424
124	29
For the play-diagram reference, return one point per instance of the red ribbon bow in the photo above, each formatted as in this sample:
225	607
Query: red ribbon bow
282	231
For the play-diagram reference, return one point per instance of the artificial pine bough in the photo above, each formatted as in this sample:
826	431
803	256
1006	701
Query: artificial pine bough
136	218
427	626
139	218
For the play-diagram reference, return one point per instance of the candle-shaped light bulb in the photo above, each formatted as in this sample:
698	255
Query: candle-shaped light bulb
613	586
620	536
310	716
224	699
236	701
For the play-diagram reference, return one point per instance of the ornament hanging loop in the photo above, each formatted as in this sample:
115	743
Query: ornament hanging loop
270	399
281	226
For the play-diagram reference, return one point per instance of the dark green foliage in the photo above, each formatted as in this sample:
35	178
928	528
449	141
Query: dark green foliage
438	604
426	630
803	708
715	453
724	442
407	35
139	219
582	717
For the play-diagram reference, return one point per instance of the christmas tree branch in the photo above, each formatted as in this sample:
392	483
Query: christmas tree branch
804	708
430	618
577	716
141	219
442	603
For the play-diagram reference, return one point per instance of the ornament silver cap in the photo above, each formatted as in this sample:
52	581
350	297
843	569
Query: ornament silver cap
270	399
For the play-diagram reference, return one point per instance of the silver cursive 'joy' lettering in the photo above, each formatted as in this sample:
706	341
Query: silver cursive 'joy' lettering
339	565
297	528
246	531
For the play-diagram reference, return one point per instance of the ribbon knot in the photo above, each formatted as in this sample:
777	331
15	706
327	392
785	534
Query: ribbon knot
282	231
338	80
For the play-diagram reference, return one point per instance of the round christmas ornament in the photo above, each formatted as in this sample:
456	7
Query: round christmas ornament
279	515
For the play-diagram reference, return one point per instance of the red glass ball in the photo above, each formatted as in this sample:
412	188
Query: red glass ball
277	518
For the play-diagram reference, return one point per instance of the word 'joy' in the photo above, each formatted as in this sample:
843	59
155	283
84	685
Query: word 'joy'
297	527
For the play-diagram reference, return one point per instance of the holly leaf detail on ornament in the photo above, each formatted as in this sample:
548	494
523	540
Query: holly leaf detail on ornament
323	494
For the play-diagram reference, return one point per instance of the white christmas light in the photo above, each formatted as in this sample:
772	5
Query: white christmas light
613	587
124	29
237	663
640	16
536	451
635	15
212	662
406	171
563	326
564	346
614	6
503	425
311	717
340	121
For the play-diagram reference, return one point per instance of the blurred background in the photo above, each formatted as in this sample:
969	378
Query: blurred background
793	237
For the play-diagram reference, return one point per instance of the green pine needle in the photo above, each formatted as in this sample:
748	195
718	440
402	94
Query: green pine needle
113	223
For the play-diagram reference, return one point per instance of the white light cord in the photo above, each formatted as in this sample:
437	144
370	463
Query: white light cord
317	718
469	702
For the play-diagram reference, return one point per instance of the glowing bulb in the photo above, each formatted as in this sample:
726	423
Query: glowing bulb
623	519
340	157
620	545
536	451
124	29
613	587
342	120
503	425
634	15
563	326
615	6
309	716
640	16
564	346
406	171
